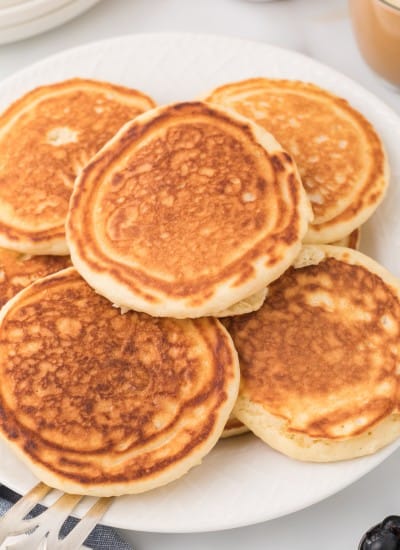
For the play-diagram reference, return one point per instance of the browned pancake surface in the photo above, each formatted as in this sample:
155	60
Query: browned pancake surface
48	136
97	397
304	127
335	147
323	349
17	271
178	189
182	201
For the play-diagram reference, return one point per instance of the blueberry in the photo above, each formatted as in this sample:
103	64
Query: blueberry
378	538
392	523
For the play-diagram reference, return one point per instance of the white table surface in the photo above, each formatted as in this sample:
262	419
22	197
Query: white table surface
319	28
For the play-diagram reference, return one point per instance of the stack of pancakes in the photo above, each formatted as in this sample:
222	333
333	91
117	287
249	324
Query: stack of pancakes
116	374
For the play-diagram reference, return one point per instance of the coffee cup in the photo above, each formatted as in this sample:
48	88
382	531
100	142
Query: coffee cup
376	25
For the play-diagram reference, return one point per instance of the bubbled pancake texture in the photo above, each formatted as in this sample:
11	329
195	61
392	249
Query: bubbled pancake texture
194	180
46	138
17	271
322	352
338	153
103	403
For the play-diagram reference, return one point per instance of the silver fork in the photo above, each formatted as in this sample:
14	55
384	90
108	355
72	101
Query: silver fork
42	531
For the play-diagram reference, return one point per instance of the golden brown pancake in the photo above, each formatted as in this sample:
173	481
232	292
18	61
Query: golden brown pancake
46	137
100	403
17	271
320	359
350	241
188	210
340	157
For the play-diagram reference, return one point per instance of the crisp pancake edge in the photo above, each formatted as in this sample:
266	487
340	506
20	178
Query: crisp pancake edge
63	483
223	297
56	245
316	234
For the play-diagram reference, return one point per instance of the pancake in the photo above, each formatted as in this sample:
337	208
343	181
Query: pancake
46	137
234	427
339	155
104	404
350	241
188	210
252	303
320	360
18	271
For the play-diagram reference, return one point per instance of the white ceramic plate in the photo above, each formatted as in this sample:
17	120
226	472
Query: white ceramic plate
242	481
37	16
8	3
28	10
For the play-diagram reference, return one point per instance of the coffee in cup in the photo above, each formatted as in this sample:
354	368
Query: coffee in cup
376	24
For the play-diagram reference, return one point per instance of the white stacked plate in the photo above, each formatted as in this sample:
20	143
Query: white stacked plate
20	19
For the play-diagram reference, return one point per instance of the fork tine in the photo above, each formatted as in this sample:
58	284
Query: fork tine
77	536
50	520
11	522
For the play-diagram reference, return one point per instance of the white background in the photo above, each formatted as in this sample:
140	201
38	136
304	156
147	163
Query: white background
319	28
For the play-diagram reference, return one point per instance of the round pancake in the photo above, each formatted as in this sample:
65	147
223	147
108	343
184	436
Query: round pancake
350	241
188	210
320	360
46	137
17	271
339	155
100	403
